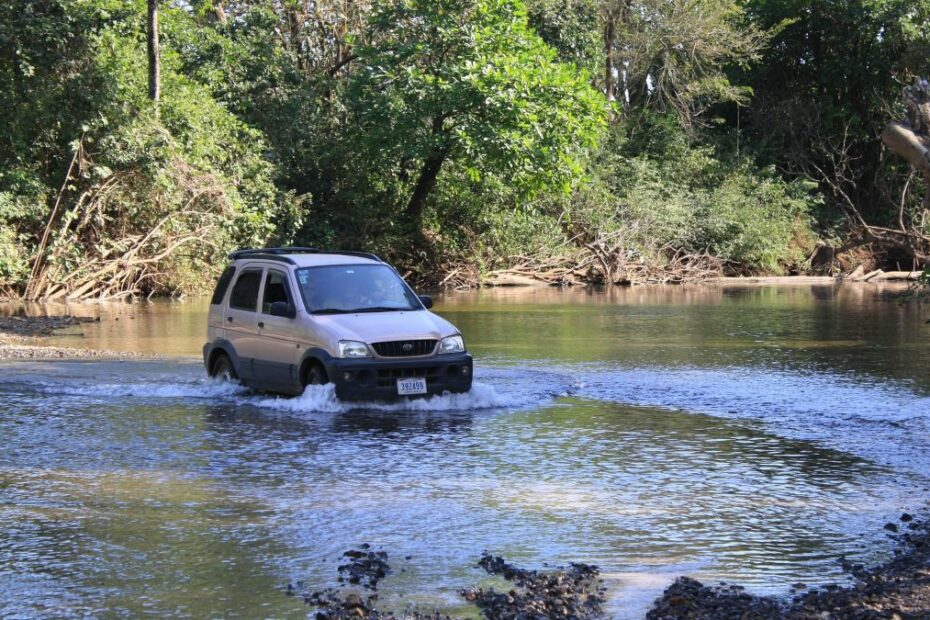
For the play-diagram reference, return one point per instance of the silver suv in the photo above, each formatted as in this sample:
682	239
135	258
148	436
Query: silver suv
284	318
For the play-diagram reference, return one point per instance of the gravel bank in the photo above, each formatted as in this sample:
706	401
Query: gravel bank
24	337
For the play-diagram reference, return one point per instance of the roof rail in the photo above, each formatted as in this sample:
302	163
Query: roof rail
368	255
253	251
279	254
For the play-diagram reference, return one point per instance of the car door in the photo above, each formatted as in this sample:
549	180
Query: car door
277	357
241	319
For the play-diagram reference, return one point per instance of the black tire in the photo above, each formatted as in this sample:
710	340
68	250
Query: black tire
223	368
315	374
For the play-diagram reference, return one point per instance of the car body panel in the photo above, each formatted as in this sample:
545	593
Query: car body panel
276	354
241	324
370	327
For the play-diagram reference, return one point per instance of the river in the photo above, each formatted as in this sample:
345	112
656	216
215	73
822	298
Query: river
747	434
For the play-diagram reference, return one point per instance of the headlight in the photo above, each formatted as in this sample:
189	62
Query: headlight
350	348
452	344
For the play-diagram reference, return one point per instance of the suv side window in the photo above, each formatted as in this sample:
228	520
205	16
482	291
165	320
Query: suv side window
276	289
244	295
220	291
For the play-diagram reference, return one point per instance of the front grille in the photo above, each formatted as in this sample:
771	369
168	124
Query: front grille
389	376
404	348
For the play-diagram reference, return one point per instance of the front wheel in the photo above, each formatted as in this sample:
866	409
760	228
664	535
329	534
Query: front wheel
223	369
315	375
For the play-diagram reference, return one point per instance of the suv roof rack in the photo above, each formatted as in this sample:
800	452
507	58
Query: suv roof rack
280	254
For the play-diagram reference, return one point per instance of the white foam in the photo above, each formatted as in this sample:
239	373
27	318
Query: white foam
318	398
206	388
322	399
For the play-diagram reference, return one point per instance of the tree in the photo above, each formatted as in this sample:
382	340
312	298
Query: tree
910	138
823	90
664	55
467	80
678	54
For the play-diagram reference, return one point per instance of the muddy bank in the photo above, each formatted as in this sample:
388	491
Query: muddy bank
25	337
898	589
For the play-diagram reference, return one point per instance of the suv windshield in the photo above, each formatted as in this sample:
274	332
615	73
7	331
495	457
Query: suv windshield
341	289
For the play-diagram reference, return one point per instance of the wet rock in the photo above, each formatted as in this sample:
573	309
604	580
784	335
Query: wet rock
365	568
906	518
572	592
353	601
900	588
891	527
689	599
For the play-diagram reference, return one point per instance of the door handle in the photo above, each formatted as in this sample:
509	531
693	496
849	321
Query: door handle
229	319
261	324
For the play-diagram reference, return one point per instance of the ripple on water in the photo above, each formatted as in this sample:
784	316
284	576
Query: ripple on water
174	489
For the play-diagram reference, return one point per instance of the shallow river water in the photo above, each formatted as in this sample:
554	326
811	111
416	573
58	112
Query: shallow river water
754	435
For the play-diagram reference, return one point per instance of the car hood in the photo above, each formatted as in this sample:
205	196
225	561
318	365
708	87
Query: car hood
381	326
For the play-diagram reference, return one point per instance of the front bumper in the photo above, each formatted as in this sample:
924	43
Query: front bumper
376	379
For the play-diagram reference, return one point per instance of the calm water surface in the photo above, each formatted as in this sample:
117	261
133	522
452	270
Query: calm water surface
747	434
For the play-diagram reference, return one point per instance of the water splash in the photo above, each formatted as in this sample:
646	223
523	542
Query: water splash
322	399
204	388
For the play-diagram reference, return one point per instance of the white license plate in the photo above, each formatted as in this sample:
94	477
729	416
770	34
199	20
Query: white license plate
411	386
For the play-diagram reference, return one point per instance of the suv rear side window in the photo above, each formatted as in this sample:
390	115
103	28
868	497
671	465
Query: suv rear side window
244	295
220	291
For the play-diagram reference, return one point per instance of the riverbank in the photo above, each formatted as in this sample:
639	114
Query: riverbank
23	337
516	279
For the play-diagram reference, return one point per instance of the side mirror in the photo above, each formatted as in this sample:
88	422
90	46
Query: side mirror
282	308
426	300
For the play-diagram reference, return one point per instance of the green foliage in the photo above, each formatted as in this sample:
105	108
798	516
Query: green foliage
571	28
178	189
826	85
680	51
443	132
662	193
467	80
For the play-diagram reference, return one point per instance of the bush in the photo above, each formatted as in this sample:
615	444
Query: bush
653	189
152	202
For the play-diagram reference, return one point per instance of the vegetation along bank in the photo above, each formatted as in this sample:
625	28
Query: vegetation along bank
619	141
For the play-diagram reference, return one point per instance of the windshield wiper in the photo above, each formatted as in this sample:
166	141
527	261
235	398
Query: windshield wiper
359	310
381	309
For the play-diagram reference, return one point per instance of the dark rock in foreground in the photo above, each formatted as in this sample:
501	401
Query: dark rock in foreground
570	594
896	590
563	593
365	567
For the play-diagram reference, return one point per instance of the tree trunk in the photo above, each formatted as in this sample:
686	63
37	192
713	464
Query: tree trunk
154	62
610	34
425	184
901	139
219	12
